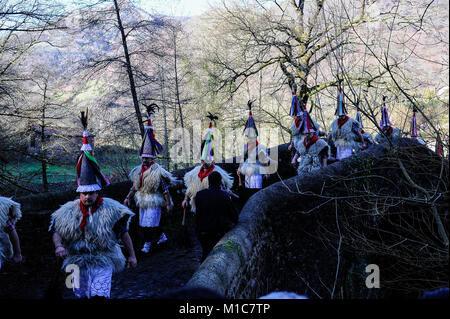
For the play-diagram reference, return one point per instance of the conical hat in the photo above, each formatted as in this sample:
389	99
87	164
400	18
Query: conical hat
89	177
295	109
307	125
207	147
384	115
340	107
250	126
150	146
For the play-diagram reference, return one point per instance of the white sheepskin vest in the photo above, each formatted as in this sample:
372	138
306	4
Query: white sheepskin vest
297	135
380	138
193	183
97	246
6	249
253	165
344	137
310	160
148	195
367	139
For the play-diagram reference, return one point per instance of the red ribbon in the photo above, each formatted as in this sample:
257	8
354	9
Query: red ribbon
311	142
389	130
298	121
85	211
85	140
343	121
205	172
143	170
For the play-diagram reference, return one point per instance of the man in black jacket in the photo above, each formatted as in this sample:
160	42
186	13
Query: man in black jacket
216	214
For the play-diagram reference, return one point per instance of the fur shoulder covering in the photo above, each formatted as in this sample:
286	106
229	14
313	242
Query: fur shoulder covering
194	185
97	246
344	136
5	205
298	140
314	149
254	162
151	179
310	161
380	138
368	139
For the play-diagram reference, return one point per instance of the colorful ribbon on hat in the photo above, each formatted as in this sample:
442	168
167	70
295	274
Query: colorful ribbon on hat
94	164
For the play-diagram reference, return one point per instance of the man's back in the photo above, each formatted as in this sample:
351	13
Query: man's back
215	211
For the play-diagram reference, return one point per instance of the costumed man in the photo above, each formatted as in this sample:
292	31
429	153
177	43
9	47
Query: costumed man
86	231
387	131
297	113
366	135
10	213
196	179
150	188
343	131
313	152
254	156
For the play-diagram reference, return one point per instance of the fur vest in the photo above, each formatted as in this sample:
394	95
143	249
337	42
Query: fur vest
345	137
368	139
194	185
380	138
253	165
310	160
297	135
6	249
148	195
97	246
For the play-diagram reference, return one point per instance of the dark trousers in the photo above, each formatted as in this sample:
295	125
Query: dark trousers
208	241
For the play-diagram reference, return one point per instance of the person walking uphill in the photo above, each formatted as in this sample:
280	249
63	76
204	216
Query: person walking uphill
150	188
216	214
86	231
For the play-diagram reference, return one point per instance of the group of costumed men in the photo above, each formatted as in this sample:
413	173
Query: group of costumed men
87	231
347	135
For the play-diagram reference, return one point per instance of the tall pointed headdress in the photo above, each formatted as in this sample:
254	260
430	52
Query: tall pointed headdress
414	125
150	146
340	107
250	126
307	125
384	115
207	147
89	177
296	109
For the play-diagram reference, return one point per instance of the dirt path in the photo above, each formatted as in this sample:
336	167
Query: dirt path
168	267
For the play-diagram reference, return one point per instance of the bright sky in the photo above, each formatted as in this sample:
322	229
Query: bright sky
176	7
167	7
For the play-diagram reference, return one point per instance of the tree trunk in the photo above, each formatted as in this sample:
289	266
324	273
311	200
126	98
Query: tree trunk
177	93
129	70
166	136
43	146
